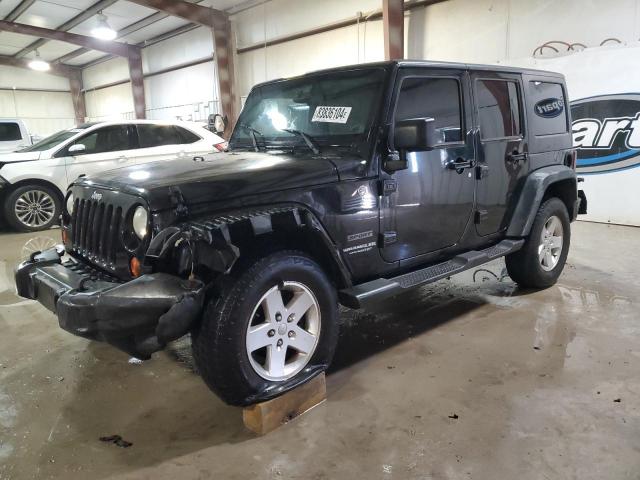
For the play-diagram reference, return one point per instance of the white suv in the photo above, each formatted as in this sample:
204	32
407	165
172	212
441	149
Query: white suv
33	180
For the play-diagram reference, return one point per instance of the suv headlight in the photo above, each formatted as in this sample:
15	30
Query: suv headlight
70	204
140	222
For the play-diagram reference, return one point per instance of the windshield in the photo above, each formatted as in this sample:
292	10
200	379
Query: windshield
331	109
52	140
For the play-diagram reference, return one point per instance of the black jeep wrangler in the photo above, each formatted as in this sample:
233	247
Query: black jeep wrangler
341	186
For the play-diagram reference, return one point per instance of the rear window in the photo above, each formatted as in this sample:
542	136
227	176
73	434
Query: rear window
498	109
9	132
151	135
549	112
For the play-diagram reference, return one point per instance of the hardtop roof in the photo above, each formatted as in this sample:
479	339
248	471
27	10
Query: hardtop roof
423	64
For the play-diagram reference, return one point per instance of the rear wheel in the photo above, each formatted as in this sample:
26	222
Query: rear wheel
270	323
32	208
541	260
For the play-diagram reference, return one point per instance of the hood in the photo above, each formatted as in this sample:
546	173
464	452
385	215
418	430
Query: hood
216	177
12	157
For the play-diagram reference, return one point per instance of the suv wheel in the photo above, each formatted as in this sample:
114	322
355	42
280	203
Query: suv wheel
32	208
541	260
269	323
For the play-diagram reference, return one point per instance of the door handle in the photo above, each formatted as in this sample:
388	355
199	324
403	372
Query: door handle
122	158
516	157
459	164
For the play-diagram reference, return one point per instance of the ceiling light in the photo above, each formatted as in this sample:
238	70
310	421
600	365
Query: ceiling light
103	31
39	64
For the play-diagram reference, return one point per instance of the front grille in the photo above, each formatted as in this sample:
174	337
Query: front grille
95	231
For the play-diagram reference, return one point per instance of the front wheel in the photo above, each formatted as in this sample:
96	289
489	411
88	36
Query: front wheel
271	325
32	208
541	260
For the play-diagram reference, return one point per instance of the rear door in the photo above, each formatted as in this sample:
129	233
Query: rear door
502	150
158	142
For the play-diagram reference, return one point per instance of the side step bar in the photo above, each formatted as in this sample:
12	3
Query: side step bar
360	295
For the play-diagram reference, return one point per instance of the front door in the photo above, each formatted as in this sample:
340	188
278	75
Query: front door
105	148
433	202
502	151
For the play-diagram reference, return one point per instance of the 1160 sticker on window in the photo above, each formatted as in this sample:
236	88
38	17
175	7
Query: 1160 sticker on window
331	114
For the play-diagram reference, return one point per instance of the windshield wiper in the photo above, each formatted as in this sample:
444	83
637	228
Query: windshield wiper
306	137
253	133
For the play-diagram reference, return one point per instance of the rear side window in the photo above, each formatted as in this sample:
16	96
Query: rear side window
9	132
498	109
158	135
549	111
186	136
437	98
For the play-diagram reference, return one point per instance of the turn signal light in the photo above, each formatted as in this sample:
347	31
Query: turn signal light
135	267
65	237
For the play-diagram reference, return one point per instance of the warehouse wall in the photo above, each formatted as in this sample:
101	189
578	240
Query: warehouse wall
42	101
188	92
476	31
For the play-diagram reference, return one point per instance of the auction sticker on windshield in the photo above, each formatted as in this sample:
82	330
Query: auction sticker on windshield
331	114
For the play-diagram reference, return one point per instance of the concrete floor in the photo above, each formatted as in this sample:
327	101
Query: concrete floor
544	385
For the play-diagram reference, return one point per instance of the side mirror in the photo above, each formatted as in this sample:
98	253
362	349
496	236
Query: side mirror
415	134
217	123
76	148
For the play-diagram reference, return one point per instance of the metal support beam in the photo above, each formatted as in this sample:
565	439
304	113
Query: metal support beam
393	20
137	83
22	7
77	96
223	48
58	70
189	11
68	25
223	54
114	48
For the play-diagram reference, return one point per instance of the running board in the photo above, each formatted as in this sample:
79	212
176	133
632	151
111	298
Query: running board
360	295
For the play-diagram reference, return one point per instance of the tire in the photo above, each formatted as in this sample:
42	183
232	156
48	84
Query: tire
18	206
221	343
540	261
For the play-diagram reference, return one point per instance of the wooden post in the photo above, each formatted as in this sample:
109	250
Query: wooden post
265	417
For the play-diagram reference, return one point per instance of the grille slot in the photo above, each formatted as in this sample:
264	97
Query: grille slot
95	231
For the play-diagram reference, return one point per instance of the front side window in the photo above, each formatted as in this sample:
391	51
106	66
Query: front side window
498	109
437	98
53	140
106	139
158	135
332	109
9	132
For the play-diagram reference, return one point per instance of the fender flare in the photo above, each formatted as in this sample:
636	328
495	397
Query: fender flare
212	238
532	193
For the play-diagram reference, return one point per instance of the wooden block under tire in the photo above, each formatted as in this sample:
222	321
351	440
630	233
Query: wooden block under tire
262	418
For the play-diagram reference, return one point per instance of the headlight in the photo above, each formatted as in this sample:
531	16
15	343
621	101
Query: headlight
140	222
70	204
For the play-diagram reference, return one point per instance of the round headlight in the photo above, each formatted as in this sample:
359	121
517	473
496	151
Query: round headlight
140	222
70	204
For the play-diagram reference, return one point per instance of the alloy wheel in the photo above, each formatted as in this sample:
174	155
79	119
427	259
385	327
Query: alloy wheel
551	240
283	331
35	208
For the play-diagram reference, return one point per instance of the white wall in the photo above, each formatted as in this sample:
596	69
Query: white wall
44	112
475	31
189	93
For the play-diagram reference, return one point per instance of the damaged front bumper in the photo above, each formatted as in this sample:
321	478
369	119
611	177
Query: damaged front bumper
139	317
